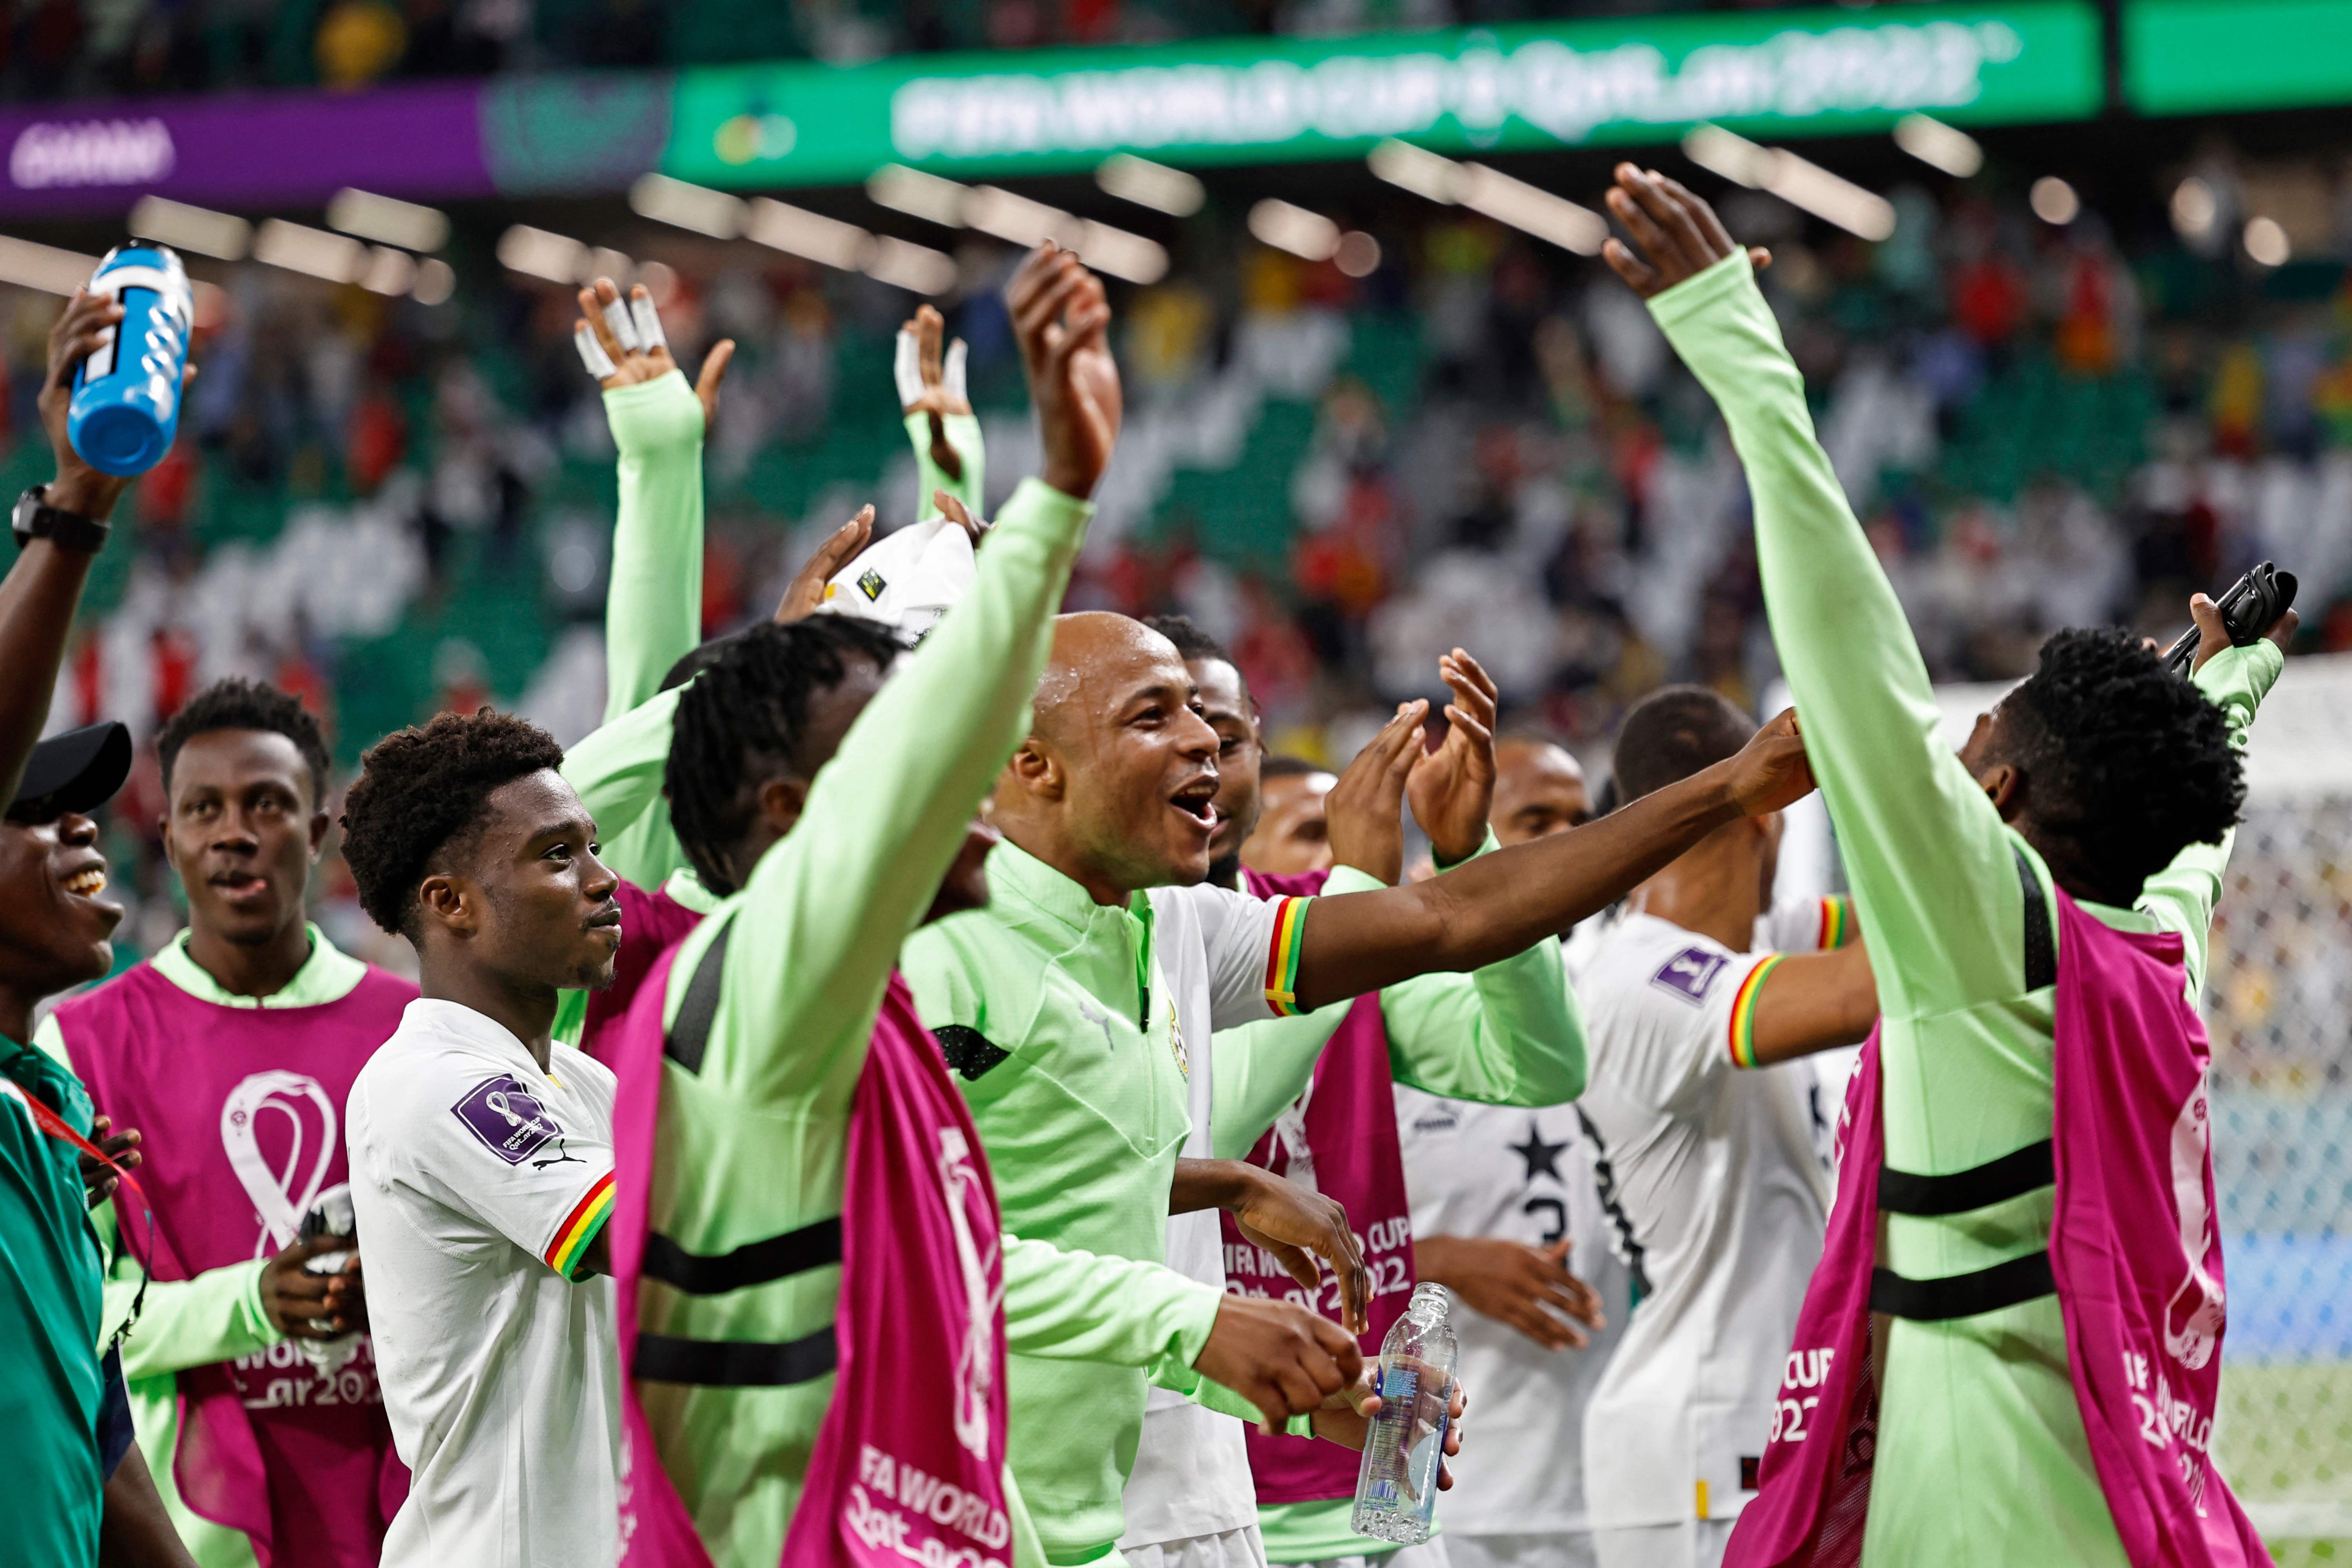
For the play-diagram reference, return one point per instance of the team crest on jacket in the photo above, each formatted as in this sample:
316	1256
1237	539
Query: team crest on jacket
1176	1045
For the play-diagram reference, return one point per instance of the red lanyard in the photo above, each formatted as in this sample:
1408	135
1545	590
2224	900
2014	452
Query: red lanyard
57	1127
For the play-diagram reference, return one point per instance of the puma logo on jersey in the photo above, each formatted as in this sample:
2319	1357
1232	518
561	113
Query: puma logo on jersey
1690	974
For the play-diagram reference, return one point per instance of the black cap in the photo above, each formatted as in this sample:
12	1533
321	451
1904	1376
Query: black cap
73	772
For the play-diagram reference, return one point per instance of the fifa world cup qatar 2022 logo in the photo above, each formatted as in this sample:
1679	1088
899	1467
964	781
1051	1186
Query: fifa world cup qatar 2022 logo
2194	1317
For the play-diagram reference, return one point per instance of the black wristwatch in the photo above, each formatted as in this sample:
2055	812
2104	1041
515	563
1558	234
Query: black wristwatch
37	518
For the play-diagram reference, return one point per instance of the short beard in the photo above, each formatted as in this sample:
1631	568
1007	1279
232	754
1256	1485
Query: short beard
1225	871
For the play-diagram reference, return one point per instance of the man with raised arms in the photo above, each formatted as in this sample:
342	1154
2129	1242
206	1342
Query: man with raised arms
826	803
1976	1349
234	1050
1078	1014
1507	1034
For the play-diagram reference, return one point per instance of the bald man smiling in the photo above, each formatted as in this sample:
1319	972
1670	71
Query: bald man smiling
1078	1015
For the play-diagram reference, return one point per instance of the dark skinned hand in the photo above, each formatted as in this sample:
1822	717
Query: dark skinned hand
98	1179
79	333
1298	1226
1345	1418
1364	813
806	590
1678	235
1451	789
929	328
293	1299
1061	319
644	363
1282	1358
1529	1288
1771	772
2213	632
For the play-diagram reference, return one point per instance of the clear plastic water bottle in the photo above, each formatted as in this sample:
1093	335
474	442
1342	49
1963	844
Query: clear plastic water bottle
126	396
1396	1488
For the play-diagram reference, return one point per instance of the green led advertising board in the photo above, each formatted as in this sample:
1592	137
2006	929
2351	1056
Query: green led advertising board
1259	101
2195	56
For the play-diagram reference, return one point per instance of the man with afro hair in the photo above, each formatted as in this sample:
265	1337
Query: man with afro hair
2009	1352
234	1050
481	1148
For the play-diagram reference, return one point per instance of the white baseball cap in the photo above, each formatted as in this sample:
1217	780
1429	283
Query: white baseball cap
906	580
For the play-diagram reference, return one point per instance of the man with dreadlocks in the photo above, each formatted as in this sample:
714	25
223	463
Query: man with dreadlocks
1991	1366
653	610
786	1157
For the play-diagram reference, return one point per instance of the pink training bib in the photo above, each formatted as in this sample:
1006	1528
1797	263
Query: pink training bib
2143	1303
241	1109
910	1462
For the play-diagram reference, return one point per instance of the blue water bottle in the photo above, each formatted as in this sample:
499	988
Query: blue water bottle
126	396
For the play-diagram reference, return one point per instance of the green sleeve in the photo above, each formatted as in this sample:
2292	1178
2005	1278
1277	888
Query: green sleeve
2183	894
653	611
1260	1069
826	910
1069	1305
963	435
618	772
1510	1033
1926	854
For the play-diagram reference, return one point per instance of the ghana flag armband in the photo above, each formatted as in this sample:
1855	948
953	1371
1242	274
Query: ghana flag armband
1743	1013
580	1227
1837	922
1287	940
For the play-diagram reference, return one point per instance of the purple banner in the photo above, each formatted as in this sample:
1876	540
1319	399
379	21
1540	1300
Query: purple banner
290	149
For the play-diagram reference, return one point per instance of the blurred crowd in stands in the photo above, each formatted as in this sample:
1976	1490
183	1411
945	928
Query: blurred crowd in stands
393	508
72	49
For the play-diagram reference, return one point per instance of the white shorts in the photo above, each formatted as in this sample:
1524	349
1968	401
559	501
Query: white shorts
1555	1549
1243	1548
1692	1543
1430	1553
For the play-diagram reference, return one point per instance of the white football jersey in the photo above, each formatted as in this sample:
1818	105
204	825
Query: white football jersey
1527	1175
1718	1200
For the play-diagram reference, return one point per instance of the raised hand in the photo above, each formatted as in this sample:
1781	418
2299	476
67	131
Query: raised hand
622	343
1364	813
1452	788
1061	319
1771	772
1679	235
2213	632
806	590
932	383
955	512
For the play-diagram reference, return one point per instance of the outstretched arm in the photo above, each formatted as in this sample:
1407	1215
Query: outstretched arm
2183	894
1500	904
1926	853
826	909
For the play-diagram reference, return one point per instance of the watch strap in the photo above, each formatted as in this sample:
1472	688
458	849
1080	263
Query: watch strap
66	530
